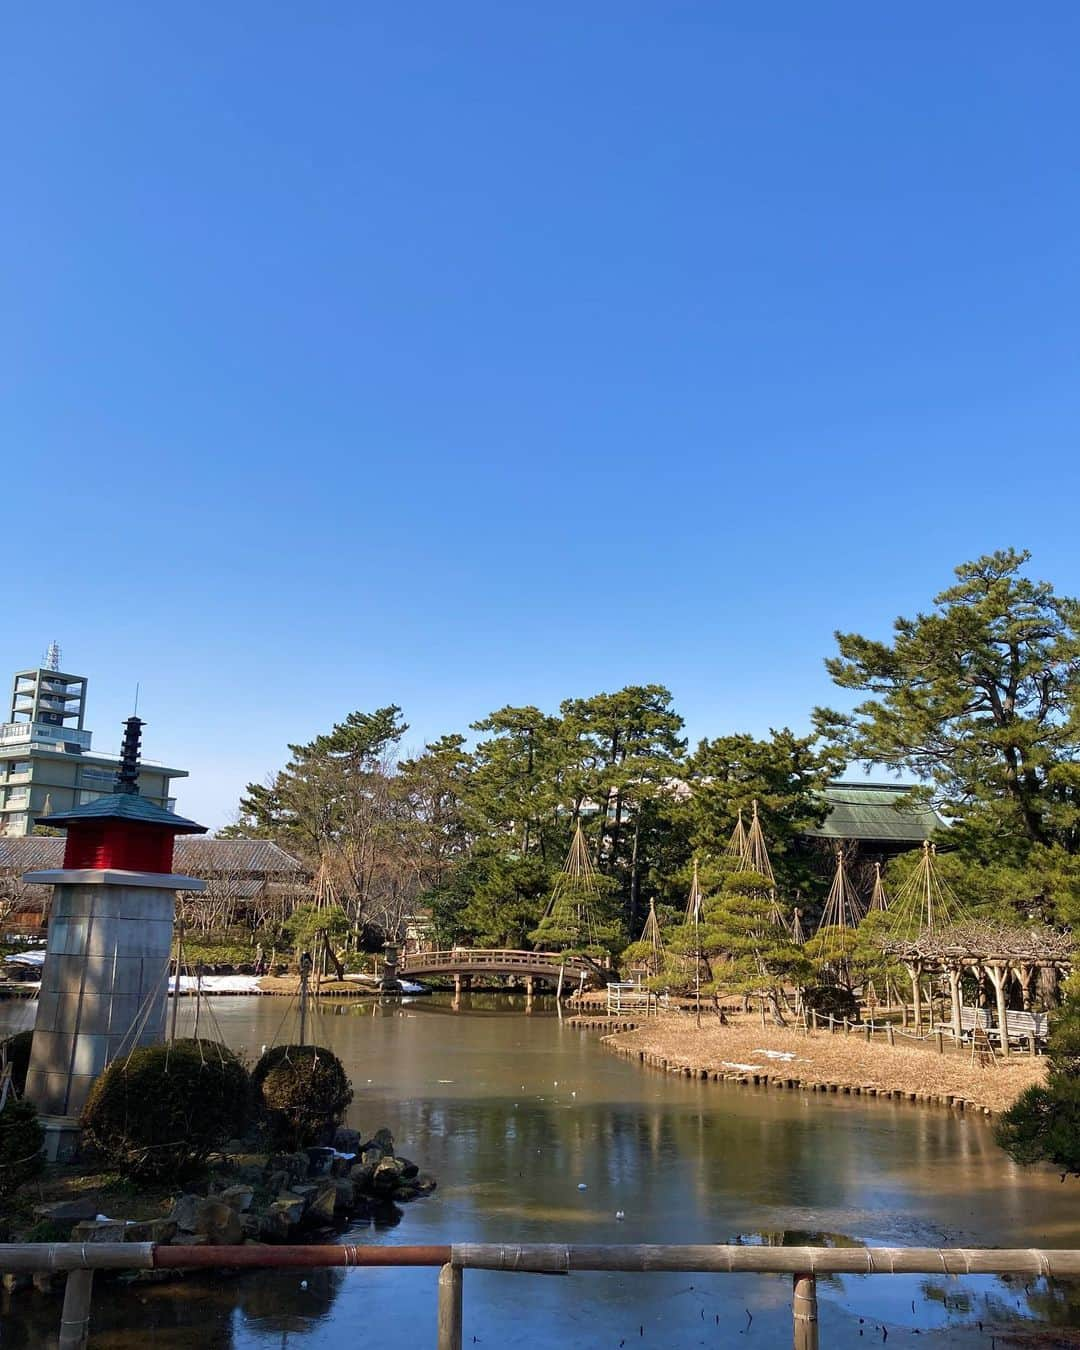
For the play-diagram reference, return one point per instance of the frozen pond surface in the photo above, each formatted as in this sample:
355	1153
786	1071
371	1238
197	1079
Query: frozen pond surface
512	1111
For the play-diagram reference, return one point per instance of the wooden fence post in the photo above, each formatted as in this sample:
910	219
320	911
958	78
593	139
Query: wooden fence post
804	1310
890	1033
75	1318
940	1039
450	1308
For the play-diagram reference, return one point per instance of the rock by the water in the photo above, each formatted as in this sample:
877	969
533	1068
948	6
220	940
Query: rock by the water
291	1205
346	1140
385	1140
295	1165
69	1211
151	1230
323	1204
184	1211
238	1197
218	1222
387	1175
99	1230
275	1224
320	1160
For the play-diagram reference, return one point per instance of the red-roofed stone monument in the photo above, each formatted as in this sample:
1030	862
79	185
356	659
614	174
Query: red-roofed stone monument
104	984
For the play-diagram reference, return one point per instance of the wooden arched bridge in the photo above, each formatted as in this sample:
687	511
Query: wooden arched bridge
465	963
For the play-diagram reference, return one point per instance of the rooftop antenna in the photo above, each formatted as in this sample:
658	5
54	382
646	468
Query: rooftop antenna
135	710
52	656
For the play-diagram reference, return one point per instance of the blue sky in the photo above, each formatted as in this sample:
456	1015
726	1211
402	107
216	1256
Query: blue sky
458	355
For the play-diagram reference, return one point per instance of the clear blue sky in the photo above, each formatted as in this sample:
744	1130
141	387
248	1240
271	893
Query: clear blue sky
462	354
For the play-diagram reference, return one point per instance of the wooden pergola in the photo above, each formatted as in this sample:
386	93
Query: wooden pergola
988	951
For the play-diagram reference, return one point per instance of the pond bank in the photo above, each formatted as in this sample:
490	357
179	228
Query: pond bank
744	1052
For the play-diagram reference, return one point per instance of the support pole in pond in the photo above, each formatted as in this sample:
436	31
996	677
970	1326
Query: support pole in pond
450	1307
305	975
75	1318
804	1309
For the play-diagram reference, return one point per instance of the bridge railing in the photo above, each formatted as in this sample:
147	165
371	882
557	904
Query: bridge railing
803	1264
483	956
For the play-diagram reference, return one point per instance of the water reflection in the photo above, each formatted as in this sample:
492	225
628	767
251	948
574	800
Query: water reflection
512	1113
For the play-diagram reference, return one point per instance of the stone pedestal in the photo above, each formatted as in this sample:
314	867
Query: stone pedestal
104	985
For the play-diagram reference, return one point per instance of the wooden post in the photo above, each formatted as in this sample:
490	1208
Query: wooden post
957	1004
890	1033
998	976
449	1308
75	1318
831	1024
939	1040
903	1014
916	997
813	1018
1031	1043
804	1309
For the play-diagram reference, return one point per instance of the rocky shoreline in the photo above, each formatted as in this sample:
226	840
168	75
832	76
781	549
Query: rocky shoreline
254	1198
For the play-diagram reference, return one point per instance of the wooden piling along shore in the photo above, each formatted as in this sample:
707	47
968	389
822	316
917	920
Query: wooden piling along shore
842	1065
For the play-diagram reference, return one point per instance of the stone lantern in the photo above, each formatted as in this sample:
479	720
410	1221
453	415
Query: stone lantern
104	983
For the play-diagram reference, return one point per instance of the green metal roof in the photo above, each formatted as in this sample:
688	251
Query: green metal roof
876	811
123	806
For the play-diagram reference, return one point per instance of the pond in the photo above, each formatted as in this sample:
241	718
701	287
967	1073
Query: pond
512	1112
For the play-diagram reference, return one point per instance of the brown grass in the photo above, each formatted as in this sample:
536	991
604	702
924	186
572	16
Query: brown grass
822	1060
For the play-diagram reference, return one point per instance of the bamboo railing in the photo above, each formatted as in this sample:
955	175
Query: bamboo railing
804	1264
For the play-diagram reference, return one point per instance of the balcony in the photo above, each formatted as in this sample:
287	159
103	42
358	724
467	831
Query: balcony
41	733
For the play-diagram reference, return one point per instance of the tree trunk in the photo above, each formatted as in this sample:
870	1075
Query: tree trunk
635	881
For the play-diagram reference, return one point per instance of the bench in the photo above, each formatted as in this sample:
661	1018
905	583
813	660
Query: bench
1021	1024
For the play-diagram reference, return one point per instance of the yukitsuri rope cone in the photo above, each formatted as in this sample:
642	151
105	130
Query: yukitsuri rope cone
841	915
737	845
879	896
576	894
925	903
757	860
651	934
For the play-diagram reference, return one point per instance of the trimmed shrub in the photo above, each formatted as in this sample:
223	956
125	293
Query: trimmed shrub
304	1091
21	1143
161	1111
832	998
16	1052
